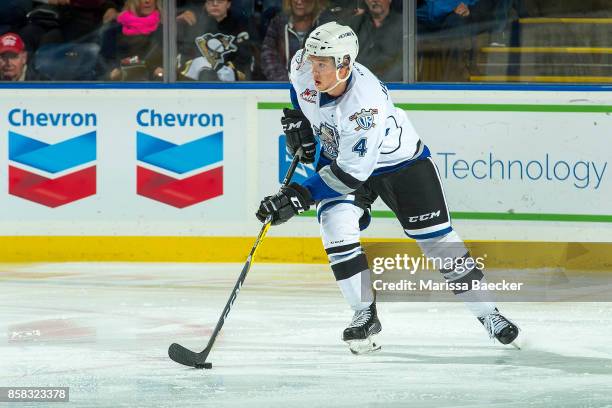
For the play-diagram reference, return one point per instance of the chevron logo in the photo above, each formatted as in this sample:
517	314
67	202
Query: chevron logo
52	174
179	175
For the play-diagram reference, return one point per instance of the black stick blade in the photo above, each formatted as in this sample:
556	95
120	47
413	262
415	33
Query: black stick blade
187	357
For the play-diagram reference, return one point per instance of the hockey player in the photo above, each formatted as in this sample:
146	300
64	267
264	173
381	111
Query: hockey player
369	149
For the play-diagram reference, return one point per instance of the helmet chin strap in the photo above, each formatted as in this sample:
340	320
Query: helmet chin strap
338	80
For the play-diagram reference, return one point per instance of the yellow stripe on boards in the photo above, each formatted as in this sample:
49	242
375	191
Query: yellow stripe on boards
24	249
158	249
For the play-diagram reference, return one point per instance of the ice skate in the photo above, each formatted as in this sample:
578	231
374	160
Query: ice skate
500	328
360	335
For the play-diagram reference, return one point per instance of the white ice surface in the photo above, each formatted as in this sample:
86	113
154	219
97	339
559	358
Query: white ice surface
103	330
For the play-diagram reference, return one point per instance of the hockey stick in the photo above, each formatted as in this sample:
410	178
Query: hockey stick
187	357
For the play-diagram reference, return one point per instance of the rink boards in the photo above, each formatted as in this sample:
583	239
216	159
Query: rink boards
176	174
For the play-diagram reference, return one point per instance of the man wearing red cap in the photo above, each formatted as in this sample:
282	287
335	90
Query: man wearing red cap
13	58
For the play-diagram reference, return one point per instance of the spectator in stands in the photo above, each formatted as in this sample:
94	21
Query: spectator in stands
434	15
58	21
217	47
133	48
13	15
342	11
379	30
186	11
13	59
264	12
444	34
285	35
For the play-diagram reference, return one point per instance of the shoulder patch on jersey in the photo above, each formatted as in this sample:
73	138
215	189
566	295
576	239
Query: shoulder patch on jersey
364	118
309	95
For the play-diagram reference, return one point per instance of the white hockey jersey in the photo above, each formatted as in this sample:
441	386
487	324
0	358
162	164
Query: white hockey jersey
361	132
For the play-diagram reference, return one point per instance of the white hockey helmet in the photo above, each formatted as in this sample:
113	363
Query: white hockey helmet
333	40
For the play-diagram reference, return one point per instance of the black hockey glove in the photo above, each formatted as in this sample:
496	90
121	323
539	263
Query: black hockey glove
299	134
289	201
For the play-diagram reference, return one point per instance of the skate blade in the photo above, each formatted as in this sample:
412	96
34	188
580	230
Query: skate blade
366	346
515	345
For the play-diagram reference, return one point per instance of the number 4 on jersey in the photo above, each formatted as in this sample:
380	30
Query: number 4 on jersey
360	147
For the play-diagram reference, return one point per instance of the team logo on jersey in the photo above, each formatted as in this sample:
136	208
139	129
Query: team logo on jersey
364	119
215	47
309	95
328	135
